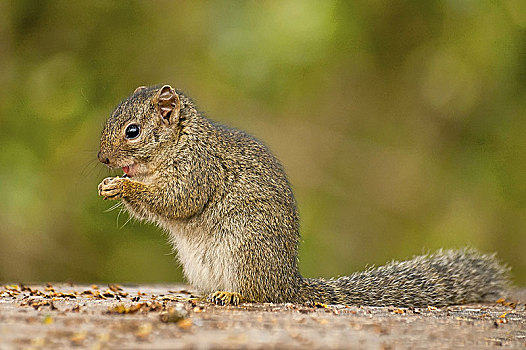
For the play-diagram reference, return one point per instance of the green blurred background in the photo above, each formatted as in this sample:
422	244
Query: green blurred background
401	124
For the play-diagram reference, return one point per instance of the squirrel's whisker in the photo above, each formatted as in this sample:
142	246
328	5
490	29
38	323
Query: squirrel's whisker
113	207
126	222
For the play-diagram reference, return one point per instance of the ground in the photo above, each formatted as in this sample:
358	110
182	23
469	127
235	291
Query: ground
56	316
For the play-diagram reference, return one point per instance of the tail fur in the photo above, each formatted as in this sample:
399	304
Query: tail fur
446	277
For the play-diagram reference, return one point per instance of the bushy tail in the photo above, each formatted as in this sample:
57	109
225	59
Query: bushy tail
443	278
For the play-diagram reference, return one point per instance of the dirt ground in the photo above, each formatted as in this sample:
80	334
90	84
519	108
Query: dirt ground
169	317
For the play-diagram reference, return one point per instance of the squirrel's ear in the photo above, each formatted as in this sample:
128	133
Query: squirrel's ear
139	89
168	104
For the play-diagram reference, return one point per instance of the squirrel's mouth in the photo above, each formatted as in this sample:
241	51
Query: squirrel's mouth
130	170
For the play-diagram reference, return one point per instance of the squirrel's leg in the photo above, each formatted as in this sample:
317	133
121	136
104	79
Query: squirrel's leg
225	298
180	204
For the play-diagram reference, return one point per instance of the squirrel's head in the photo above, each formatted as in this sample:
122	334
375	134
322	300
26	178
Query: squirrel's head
138	127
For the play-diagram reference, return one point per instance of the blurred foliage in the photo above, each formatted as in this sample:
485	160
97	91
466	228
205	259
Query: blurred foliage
401	124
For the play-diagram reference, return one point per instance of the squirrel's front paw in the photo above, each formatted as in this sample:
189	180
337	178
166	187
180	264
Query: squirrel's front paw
225	298
111	188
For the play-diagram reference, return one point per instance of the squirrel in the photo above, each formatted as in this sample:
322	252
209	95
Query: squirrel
231	215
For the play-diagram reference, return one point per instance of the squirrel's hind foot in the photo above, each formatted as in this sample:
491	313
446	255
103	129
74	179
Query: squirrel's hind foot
223	298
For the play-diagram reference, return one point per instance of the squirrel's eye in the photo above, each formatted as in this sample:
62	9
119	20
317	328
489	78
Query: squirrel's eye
132	131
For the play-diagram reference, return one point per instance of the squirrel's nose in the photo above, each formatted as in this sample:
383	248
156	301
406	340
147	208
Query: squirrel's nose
103	158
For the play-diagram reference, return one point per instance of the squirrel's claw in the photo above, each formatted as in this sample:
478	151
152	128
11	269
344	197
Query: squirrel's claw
223	298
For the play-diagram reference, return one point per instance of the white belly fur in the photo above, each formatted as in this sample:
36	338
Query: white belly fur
207	263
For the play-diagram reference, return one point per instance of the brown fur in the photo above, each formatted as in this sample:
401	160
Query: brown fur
231	215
